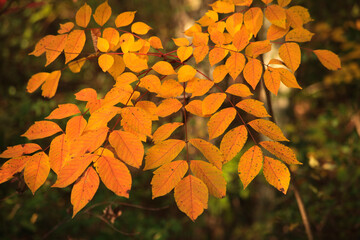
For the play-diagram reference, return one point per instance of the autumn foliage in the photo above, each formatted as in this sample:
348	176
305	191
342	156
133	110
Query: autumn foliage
92	148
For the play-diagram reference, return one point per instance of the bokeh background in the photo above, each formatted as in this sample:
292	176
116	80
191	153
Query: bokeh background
322	121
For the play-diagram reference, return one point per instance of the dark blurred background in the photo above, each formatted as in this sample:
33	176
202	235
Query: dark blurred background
322	121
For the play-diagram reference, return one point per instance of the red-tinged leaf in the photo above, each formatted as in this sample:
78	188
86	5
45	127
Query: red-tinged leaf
36	171
36	81
272	80
74	44
168	107
134	62
250	165
84	190
268	128
89	141
66	27
234	23
115	175
54	45
64	111
86	94
198	87
184	53
219	73
73	169
232	142
12	166
101	117
140	28
95	34
151	83
276	15
200	52
51	83
102	13
223	7
291	55
135	120
277	174
328	59
59	153
167	177
195	107
125	19
75	127
287	78
128	147
42	129
299	35
254	49
186	73
253	20
220	121
241	38
211	176
274	32
254	107
191	196
239	89
253	71
210	151
163	68
162	153
83	16
216	55
235	64
164	131
281	151
212	103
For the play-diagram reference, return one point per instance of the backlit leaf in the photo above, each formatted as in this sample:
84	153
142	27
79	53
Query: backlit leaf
151	83
291	55
219	73
86	94
170	88
59	153
274	32
198	87
210	151
272	80
254	49
181	42
64	111
186	73
253	20
253	71
40	46
66	27
125	78
135	120
235	64
328	59
276	15
164	131
268	128
149	107
75	66
105	62
36	81
250	165
281	151
220	121
51	83
234	23
89	141
75	127
184	53
102	13
12	166
200	53
283	3
36	171
112	36
164	68
195	107
241	38
232	142
125	18
19	150
254	107
54	47
103	44
216	55
74	44
302	12
101	117
134	62
155	42
212	103
277	174
299	35
168	106
287	78
117	67
223	7
41	129
140	28
83	16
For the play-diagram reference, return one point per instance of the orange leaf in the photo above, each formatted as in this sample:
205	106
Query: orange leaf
75	66
64	111
151	83
59	153
198	87
220	121
254	107
126	78
184	53
164	68
101	117
253	71
241	38
219	73
128	147
235	64
200	53
89	141
75	127
283	3
115	175
276	15
74	44
254	49
164	131
272	80
167	177
36	171
162	153
277	174
274	32
102	13
291	55
42	129
40	46
250	165
102	44
181	42
134	63
66	27
268	128
19	150
117	68
186	73
83	16
124	19
243	2
200	39
281	151
223	7
299	35
36	81
232	142
86	94
84	190
266	1
328	59
212	103
140	28
302	12
170	88
191	196
211	176
210	151
149	107
253	20
155	42
12	166
54	45
112	36
51	83
216	55
234	23
195	107
287	77
105	62
168	106
73	169
135	120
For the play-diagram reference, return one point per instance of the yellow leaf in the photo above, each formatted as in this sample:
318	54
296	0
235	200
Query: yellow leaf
195	107
102	13
54	46
164	131
200	39
73	169
135	120
268	128
208	18
200	53
155	42
220	121
181	42
127	41
36	81
272	80
41	129
235	64
239	89
281	151
84	190
234	23
50	86
170	88
126	78
299	35
254	49
250	165
253	20
66	27
219	73
223	7
243	2
36	171
163	68
162	153
118	94
75	127
83	16
212	103
105	62
63	111
114	174
117	67
283	3
328	59
59	153
184	53
75	66
140	28
274	32
74	44
134	62
101	117
241	38
186	73
149	107
276	15
124	19
151	83
103	44
216	55
291	55
191	196
198	87
112	36
168	107
254	107
277	174
167	177
210	151
232	142
287	77
12	166
211	176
